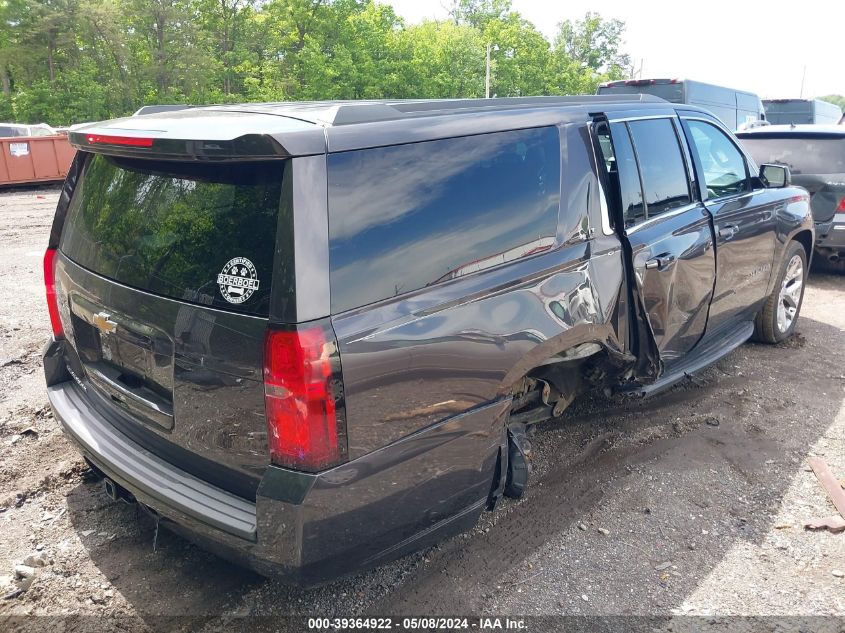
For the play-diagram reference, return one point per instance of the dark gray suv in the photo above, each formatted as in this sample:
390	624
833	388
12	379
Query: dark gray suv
815	154
312	336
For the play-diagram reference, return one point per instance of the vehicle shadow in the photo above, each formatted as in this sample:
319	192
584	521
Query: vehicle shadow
174	579
821	268
680	478
722	449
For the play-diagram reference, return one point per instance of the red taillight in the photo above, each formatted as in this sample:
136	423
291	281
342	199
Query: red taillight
133	141
303	429
50	285
841	207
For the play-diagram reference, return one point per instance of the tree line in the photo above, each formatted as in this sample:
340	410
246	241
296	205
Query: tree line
69	61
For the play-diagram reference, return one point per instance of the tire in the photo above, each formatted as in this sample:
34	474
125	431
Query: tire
776	320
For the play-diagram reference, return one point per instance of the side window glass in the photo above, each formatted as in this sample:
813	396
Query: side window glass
722	163
664	175
631	193
409	216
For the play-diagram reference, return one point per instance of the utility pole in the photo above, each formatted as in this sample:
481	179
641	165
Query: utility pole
487	81
803	76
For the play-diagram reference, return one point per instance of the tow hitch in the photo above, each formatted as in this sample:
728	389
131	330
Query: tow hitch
116	492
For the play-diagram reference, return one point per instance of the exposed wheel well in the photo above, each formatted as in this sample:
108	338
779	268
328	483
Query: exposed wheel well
805	238
547	390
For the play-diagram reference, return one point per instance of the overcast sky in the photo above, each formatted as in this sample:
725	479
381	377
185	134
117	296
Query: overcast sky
757	46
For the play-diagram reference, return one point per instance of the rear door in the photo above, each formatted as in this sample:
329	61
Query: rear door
744	220
164	278
668	232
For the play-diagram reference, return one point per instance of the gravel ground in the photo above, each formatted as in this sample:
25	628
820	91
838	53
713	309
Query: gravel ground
689	503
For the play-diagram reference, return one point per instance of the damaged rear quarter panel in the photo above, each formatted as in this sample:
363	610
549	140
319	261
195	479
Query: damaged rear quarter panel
415	360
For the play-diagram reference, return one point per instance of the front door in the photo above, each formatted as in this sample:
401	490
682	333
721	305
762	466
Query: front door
744	220
668	233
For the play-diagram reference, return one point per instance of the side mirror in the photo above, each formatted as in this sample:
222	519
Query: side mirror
775	176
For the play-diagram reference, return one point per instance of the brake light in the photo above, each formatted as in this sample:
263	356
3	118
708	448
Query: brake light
50	285
841	207
133	141
306	427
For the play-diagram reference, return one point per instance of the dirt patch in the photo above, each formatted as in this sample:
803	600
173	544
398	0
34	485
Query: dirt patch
691	502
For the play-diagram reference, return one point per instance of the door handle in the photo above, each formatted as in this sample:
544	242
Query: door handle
660	262
728	231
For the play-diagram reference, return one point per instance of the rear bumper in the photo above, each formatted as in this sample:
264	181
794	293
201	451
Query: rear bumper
169	490
307	528
831	234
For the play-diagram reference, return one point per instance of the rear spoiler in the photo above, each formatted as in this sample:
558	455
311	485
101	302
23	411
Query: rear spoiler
202	134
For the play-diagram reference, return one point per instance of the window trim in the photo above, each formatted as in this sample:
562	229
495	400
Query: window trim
668	214
701	182
607	223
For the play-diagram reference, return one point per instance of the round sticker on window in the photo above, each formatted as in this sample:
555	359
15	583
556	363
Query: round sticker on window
238	280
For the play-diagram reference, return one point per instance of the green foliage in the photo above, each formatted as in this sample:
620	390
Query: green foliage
586	53
70	61
440	59
835	99
478	13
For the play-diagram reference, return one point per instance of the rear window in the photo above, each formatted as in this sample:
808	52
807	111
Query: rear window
802	155
195	232
405	217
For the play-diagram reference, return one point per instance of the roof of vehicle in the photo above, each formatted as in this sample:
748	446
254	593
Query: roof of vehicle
303	128
664	81
798	100
794	131
335	113
790	100
44	125
634	82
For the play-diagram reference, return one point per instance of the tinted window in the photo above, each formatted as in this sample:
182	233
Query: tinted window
661	163
171	228
633	210
7	131
722	163
802	155
404	217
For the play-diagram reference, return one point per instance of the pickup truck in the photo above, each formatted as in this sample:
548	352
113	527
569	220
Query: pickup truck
312	336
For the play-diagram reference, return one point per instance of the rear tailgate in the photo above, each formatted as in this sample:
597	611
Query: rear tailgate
816	160
827	192
164	275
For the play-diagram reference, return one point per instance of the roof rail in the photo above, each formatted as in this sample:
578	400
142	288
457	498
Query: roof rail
338	113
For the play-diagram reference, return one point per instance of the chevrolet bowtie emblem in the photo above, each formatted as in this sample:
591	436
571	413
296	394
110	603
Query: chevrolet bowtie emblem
103	322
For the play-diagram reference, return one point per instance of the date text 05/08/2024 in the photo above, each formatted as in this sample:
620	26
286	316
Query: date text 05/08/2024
416	623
